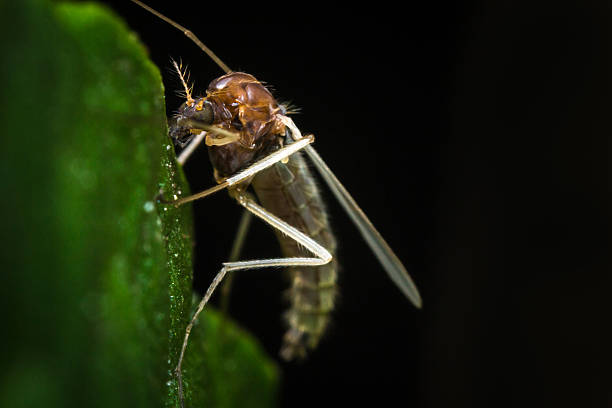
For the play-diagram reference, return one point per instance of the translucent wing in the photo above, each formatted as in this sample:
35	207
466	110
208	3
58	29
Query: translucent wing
390	262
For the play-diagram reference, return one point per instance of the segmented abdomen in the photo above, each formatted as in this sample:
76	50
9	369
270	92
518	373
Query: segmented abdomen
289	192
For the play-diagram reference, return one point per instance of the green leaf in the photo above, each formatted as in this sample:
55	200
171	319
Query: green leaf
97	278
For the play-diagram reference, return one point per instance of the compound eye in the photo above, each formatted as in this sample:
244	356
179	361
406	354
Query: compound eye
204	115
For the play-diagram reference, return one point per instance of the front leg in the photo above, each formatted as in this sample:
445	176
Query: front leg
250	171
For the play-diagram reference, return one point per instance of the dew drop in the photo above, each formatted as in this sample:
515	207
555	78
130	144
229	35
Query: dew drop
149	206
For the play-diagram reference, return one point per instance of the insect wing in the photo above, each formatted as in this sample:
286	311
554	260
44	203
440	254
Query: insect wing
390	262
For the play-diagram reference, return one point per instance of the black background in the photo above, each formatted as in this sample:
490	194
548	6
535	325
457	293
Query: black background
475	136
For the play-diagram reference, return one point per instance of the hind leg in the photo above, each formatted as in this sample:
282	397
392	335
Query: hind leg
322	257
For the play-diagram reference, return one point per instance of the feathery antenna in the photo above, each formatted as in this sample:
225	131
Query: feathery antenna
184	75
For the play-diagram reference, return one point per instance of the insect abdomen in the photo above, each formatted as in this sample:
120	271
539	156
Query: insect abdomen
289	192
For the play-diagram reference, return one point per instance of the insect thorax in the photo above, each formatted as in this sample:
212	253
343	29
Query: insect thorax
238	103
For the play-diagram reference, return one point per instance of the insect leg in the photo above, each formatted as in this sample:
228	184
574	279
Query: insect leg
243	229
250	171
322	257
195	142
226	138
226	288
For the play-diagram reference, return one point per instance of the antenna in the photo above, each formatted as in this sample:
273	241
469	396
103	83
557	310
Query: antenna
184	76
188	33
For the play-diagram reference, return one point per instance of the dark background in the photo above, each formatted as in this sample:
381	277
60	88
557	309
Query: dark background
476	138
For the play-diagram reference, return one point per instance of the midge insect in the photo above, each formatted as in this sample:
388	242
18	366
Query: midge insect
252	142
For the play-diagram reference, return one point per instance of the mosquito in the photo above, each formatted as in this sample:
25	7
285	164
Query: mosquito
254	145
